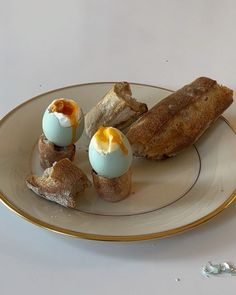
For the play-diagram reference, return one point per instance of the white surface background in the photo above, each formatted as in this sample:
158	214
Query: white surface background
50	44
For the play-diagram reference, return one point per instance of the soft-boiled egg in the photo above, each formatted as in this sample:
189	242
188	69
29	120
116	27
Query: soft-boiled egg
110	153
63	122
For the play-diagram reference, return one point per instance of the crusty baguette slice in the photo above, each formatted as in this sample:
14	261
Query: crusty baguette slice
50	153
116	109
179	119
61	183
112	189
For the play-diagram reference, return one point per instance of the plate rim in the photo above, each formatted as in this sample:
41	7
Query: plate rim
114	238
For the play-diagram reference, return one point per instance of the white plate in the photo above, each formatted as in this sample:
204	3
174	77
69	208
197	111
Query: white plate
168	196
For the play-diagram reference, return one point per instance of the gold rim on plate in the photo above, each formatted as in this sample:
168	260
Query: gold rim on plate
116	238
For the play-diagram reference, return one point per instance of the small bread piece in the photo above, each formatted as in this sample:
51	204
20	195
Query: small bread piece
50	153
179	119
116	109
61	183
112	189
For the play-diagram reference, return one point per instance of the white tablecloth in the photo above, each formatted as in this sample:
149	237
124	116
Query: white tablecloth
50	44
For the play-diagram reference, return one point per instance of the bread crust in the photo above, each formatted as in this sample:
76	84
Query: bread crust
116	109
50	153
112	189
179	119
62	183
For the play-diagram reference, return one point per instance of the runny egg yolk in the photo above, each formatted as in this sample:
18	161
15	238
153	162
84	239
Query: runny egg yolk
110	135
69	108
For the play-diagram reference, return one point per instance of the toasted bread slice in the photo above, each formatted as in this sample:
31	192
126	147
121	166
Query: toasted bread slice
179	119
62	183
50	153
112	189
116	109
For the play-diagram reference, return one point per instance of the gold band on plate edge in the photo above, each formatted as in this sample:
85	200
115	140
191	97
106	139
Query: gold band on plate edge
97	237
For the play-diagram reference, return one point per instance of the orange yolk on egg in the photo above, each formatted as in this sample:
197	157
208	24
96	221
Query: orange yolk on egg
108	134
69	108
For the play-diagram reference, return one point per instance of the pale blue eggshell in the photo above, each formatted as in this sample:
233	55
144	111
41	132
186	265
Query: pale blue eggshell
59	135
110	165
